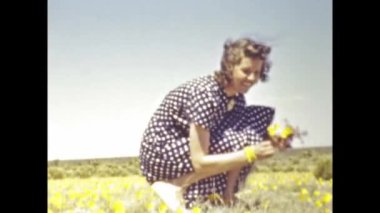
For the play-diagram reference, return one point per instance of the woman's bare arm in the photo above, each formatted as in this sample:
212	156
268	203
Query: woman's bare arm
206	165
218	163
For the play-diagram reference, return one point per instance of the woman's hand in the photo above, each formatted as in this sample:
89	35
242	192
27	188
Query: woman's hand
264	149
280	143
282	136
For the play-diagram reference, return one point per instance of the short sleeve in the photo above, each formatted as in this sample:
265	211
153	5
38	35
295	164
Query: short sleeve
202	108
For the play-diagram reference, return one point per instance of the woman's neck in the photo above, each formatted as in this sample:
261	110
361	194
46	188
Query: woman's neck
230	92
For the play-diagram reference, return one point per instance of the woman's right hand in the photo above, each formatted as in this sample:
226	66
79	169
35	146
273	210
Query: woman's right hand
264	149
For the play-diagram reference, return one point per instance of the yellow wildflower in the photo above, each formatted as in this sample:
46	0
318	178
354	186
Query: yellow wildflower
126	185
91	203
318	204
304	191
320	181
196	210
286	132
118	207
56	200
149	206
272	129
162	208
327	198
179	210
139	194
304	195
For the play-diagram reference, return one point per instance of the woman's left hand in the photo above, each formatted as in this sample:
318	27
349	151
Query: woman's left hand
281	143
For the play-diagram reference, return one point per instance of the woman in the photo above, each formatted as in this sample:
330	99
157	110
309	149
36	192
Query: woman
203	139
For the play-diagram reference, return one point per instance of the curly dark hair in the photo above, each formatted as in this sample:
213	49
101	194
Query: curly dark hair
233	53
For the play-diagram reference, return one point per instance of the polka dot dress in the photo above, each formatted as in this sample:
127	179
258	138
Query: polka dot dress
165	152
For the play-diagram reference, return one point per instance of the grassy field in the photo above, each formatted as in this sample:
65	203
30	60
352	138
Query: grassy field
294	181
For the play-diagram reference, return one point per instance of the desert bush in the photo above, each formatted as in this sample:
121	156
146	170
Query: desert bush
324	169
294	160
289	168
85	171
56	172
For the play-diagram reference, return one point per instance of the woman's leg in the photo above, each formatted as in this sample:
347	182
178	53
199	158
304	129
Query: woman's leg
170	194
171	191
232	181
222	163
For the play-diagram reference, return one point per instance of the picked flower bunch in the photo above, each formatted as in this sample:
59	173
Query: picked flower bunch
282	135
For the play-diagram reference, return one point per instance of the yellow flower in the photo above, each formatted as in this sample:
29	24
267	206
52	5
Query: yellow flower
149	206
327	198
162	208
272	129
276	129
320	181
118	207
304	195
316	193
50	211
286	132
196	210
91	203
126	185
304	191
106	196
139	194
57	200
179	210
318	204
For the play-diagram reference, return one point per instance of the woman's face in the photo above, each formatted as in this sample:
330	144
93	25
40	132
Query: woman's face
246	74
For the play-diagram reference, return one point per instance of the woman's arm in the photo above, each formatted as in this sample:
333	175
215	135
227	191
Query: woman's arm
213	164
218	163
206	165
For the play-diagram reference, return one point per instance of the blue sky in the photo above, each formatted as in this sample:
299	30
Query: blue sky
110	63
